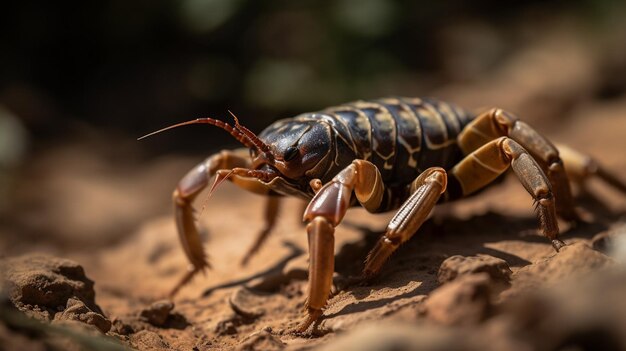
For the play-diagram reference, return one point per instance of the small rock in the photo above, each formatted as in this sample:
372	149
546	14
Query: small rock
464	301
261	340
148	340
247	304
120	327
227	324
226	327
157	313
41	285
76	310
456	266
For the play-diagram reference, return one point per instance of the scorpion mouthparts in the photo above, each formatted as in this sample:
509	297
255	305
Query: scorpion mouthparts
265	175
220	177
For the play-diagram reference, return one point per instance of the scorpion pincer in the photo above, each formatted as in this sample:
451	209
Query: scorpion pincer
402	154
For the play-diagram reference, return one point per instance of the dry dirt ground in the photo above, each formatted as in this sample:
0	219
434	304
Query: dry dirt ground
255	306
476	276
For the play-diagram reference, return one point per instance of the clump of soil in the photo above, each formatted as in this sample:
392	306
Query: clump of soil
424	288
50	288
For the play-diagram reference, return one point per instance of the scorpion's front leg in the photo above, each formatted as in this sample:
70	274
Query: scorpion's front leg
323	214
188	188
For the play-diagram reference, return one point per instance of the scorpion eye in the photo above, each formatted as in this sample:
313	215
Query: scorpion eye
290	153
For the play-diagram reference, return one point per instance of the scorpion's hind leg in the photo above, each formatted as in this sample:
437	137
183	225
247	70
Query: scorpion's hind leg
324	213
581	167
425	192
497	123
484	165
188	188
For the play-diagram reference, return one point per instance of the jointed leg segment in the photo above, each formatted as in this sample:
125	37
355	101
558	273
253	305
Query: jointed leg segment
188	188
425	192
580	167
484	165
191	185
497	123
323	214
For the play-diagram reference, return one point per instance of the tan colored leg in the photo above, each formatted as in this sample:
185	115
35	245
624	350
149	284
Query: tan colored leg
496	123
272	207
484	165
580	167
188	188
425	192
321	268
324	212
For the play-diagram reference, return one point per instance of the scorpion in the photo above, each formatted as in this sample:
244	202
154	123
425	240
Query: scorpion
402	154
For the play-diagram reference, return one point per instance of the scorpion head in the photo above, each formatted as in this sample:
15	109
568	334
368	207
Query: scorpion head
285	156
297	151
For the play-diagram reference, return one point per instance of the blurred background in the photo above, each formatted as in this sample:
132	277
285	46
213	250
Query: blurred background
80	81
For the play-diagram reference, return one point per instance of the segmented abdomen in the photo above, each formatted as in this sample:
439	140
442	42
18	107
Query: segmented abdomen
401	136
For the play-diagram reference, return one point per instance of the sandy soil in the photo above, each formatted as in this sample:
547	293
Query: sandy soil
112	218
233	306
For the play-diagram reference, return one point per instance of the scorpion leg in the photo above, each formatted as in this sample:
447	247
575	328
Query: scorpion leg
484	165
496	123
324	212
425	192
580	167
188	188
